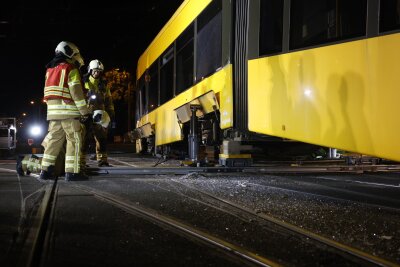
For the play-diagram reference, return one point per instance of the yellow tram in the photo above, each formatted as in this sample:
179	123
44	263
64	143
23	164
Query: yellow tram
322	72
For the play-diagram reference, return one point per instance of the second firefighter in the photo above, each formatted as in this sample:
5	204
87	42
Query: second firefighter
101	104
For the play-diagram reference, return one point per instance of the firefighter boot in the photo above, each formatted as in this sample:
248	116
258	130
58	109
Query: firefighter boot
103	163
69	176
47	175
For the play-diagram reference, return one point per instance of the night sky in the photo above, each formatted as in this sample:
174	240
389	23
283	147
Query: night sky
115	33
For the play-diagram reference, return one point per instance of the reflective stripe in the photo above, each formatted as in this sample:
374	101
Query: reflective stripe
75	164
62	77
74	83
80	103
47	164
57	88
53	93
63	112
57	91
77	152
50	157
62	109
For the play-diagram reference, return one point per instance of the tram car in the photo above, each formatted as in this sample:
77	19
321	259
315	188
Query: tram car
229	74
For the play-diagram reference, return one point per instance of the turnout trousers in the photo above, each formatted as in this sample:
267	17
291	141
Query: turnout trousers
33	163
100	136
59	131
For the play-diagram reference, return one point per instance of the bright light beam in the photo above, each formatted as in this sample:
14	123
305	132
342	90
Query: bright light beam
36	130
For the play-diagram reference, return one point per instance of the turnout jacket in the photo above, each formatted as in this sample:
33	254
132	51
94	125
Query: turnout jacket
63	92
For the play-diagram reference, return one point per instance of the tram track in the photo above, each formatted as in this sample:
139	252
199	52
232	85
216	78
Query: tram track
353	255
335	190
32	237
175	225
133	169
228	205
362	223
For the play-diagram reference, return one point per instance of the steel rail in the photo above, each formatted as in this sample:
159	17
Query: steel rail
187	230
260	169
34	242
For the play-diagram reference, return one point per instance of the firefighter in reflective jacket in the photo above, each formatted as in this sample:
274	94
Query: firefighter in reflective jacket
100	100
33	163
66	109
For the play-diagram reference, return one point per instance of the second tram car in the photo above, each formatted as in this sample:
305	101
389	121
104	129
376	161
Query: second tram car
224	73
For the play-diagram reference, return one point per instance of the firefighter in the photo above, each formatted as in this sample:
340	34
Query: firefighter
33	163
66	109
100	100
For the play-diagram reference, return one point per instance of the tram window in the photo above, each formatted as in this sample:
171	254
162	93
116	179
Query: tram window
138	108
314	22
143	99
389	15
167	75
153	86
184	60
209	40
271	24
141	88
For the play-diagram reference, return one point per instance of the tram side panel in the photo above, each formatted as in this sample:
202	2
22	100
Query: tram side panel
343	96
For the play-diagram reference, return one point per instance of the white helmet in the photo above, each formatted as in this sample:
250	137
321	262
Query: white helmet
101	117
70	50
95	64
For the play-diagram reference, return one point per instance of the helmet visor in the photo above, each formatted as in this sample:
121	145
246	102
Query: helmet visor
79	59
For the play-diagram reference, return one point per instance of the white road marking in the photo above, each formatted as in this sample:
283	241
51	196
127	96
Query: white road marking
123	162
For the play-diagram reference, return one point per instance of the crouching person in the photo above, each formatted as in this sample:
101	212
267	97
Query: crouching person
33	164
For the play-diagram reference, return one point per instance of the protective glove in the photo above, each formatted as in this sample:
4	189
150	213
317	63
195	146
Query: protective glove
91	109
85	119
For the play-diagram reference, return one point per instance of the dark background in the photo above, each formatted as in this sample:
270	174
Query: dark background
116	33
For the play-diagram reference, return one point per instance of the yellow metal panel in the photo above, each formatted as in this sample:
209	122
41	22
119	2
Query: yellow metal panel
164	118
208	102
343	96
182	18
226	97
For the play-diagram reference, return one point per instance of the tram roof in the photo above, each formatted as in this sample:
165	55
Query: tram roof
182	18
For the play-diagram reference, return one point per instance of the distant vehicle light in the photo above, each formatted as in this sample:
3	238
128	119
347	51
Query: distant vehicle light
93	96
36	130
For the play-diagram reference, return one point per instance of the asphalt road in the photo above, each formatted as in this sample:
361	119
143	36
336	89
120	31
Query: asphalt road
361	211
